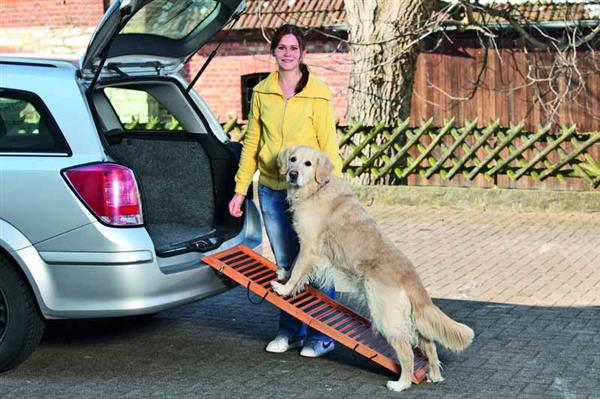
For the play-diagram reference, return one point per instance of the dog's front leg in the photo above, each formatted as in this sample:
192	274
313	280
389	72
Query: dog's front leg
282	274
299	277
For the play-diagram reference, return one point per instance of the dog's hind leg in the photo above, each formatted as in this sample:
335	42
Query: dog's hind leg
428	347
407	362
390	310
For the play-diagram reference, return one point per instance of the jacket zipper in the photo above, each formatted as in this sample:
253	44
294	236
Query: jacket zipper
282	134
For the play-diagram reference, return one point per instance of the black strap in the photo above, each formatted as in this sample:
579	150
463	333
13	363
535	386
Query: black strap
248	295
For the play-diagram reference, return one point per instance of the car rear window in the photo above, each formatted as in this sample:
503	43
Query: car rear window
139	110
174	19
27	126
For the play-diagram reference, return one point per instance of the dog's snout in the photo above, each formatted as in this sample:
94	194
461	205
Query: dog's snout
293	174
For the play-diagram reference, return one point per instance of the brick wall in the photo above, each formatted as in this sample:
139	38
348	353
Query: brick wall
65	26
27	13
48	26
220	84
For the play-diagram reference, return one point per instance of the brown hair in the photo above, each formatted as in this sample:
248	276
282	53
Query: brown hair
289	29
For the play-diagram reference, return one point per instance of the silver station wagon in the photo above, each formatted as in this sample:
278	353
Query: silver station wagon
114	175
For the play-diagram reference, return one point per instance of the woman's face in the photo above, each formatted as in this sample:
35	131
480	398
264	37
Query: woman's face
288	53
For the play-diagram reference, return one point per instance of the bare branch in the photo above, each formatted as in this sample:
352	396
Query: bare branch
519	26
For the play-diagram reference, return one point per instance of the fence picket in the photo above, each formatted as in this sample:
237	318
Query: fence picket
427	150
357	151
392	163
379	154
567	133
480	141
514	130
390	140
519	151
570	157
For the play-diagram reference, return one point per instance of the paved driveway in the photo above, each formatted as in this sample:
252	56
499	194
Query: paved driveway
526	283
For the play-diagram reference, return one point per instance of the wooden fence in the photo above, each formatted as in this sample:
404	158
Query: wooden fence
492	156
444	85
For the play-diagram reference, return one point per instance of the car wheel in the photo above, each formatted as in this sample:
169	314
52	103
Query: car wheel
21	325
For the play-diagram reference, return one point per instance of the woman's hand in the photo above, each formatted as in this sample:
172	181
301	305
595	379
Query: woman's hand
235	205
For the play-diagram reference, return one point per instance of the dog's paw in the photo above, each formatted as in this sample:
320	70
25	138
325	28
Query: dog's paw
299	288
282	274
435	378
398	386
435	372
280	288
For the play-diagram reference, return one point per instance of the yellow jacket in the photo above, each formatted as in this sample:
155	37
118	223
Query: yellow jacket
275	124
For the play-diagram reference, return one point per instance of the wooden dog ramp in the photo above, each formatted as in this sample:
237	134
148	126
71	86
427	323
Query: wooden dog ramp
313	308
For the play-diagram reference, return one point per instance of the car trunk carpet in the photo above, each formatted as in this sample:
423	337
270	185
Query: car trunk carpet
176	184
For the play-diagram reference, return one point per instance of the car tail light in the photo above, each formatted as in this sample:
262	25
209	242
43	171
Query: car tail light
109	191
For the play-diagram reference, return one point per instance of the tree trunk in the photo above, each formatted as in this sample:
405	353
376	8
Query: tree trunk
384	46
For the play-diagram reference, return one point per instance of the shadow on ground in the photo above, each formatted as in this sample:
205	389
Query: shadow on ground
214	348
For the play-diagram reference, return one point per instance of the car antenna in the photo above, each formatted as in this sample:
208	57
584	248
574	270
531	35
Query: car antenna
236	17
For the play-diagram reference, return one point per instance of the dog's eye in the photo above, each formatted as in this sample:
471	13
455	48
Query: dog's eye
307	163
293	159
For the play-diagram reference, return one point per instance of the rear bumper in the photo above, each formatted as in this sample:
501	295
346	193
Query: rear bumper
82	291
89	284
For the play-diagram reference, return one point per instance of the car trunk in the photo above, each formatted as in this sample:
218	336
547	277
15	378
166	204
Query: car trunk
185	176
186	182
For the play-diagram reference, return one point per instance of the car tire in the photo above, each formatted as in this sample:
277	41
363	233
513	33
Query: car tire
21	324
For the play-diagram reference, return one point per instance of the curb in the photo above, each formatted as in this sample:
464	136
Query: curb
482	199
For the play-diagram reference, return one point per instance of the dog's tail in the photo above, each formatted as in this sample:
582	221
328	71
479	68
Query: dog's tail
435	325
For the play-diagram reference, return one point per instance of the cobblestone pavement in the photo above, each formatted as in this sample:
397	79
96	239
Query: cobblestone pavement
528	284
521	258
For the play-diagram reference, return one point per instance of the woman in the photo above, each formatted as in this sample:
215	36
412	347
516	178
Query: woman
289	107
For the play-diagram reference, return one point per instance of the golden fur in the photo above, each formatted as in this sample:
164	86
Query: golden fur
336	232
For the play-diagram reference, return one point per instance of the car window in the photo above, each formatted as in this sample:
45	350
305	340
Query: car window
174	19
139	110
27	126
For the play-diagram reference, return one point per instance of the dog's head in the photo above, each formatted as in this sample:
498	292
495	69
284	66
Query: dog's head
304	166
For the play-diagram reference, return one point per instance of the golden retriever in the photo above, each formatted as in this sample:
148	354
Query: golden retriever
336	232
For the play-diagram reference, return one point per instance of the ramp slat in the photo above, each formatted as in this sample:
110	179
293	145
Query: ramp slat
313	308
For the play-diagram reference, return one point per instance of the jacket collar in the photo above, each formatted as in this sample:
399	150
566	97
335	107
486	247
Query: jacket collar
314	87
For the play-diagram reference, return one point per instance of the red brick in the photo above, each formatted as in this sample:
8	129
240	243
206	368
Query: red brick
23	13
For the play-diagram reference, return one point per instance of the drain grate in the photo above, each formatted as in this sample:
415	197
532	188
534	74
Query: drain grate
313	308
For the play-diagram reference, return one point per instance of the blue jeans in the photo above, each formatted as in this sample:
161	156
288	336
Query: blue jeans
284	242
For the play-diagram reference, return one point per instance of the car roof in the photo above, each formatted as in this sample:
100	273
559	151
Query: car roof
38	59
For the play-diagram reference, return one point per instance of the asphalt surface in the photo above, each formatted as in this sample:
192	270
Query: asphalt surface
527	283
214	349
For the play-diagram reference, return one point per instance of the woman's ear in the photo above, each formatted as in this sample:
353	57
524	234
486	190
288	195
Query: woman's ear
282	162
324	168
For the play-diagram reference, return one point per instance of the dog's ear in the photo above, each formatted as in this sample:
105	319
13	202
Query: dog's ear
282	161
324	168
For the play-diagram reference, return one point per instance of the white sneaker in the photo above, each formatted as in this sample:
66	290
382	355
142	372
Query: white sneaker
282	343
316	349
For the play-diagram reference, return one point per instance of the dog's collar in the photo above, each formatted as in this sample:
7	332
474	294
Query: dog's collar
321	185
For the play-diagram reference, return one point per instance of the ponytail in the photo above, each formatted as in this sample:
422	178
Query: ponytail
303	80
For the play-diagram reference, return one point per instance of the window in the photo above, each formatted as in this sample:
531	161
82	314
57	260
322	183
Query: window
248	83
139	110
27	126
174	19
